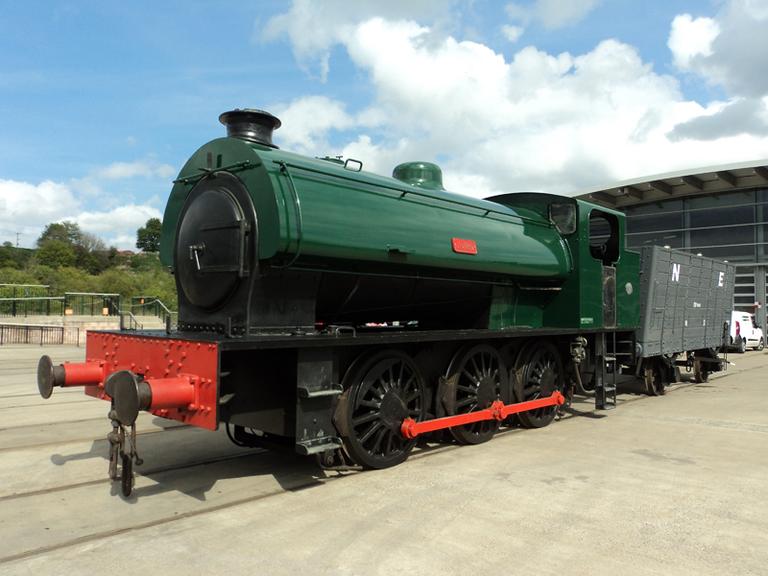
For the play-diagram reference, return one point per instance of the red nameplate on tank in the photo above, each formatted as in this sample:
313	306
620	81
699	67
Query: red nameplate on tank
464	246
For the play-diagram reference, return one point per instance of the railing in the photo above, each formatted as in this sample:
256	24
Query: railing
42	335
72	303
150	306
128	322
24	290
32	306
92	303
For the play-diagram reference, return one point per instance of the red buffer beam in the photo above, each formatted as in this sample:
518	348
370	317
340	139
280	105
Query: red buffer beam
497	411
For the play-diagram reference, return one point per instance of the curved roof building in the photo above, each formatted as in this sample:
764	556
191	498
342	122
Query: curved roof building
720	212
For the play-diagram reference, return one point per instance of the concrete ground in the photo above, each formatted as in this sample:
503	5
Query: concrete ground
667	485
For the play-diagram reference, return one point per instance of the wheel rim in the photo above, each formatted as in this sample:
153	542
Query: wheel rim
700	372
540	373
476	377
387	389
649	379
654	380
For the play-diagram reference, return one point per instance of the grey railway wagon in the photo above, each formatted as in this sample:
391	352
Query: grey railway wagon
684	301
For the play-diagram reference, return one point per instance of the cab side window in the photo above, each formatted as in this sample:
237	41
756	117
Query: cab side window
604	237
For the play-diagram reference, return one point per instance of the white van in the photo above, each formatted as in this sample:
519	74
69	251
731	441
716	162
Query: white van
745	333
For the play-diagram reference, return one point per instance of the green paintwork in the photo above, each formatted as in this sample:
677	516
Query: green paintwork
580	303
349	216
337	218
421	174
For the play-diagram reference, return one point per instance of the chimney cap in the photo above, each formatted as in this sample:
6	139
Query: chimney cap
250	124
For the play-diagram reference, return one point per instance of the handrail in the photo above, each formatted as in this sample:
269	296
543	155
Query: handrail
133	325
152	306
299	216
27	298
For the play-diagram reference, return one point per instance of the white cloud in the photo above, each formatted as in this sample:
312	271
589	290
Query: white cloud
112	224
690	38
306	122
729	50
314	27
552	14
34	202
535	121
26	207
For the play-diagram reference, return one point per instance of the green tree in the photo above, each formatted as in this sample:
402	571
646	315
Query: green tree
91	254
56	253
148	236
13	257
67	232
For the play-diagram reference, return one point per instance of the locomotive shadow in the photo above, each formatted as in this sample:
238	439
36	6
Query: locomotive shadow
99	449
100	446
289	473
195	462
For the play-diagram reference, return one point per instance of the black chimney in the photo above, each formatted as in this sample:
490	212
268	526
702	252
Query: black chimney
251	125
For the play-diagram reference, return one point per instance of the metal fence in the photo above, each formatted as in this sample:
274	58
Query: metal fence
42	335
72	303
92	304
32	306
24	290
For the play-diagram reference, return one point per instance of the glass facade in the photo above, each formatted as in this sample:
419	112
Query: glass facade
730	226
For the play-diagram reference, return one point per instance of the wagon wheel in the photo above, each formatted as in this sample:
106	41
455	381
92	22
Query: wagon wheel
382	390
700	371
538	373
653	378
475	379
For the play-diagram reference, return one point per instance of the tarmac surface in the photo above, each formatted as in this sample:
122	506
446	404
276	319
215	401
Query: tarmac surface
661	485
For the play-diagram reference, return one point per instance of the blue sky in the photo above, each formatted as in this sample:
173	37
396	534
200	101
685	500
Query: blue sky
103	101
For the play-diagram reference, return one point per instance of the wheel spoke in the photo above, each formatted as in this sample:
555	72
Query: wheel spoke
370	417
469	376
541	373
384	389
412	396
470	389
390	438
465	402
379	437
375	426
482	378
474	363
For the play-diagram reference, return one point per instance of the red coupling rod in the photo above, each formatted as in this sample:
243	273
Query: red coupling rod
497	411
